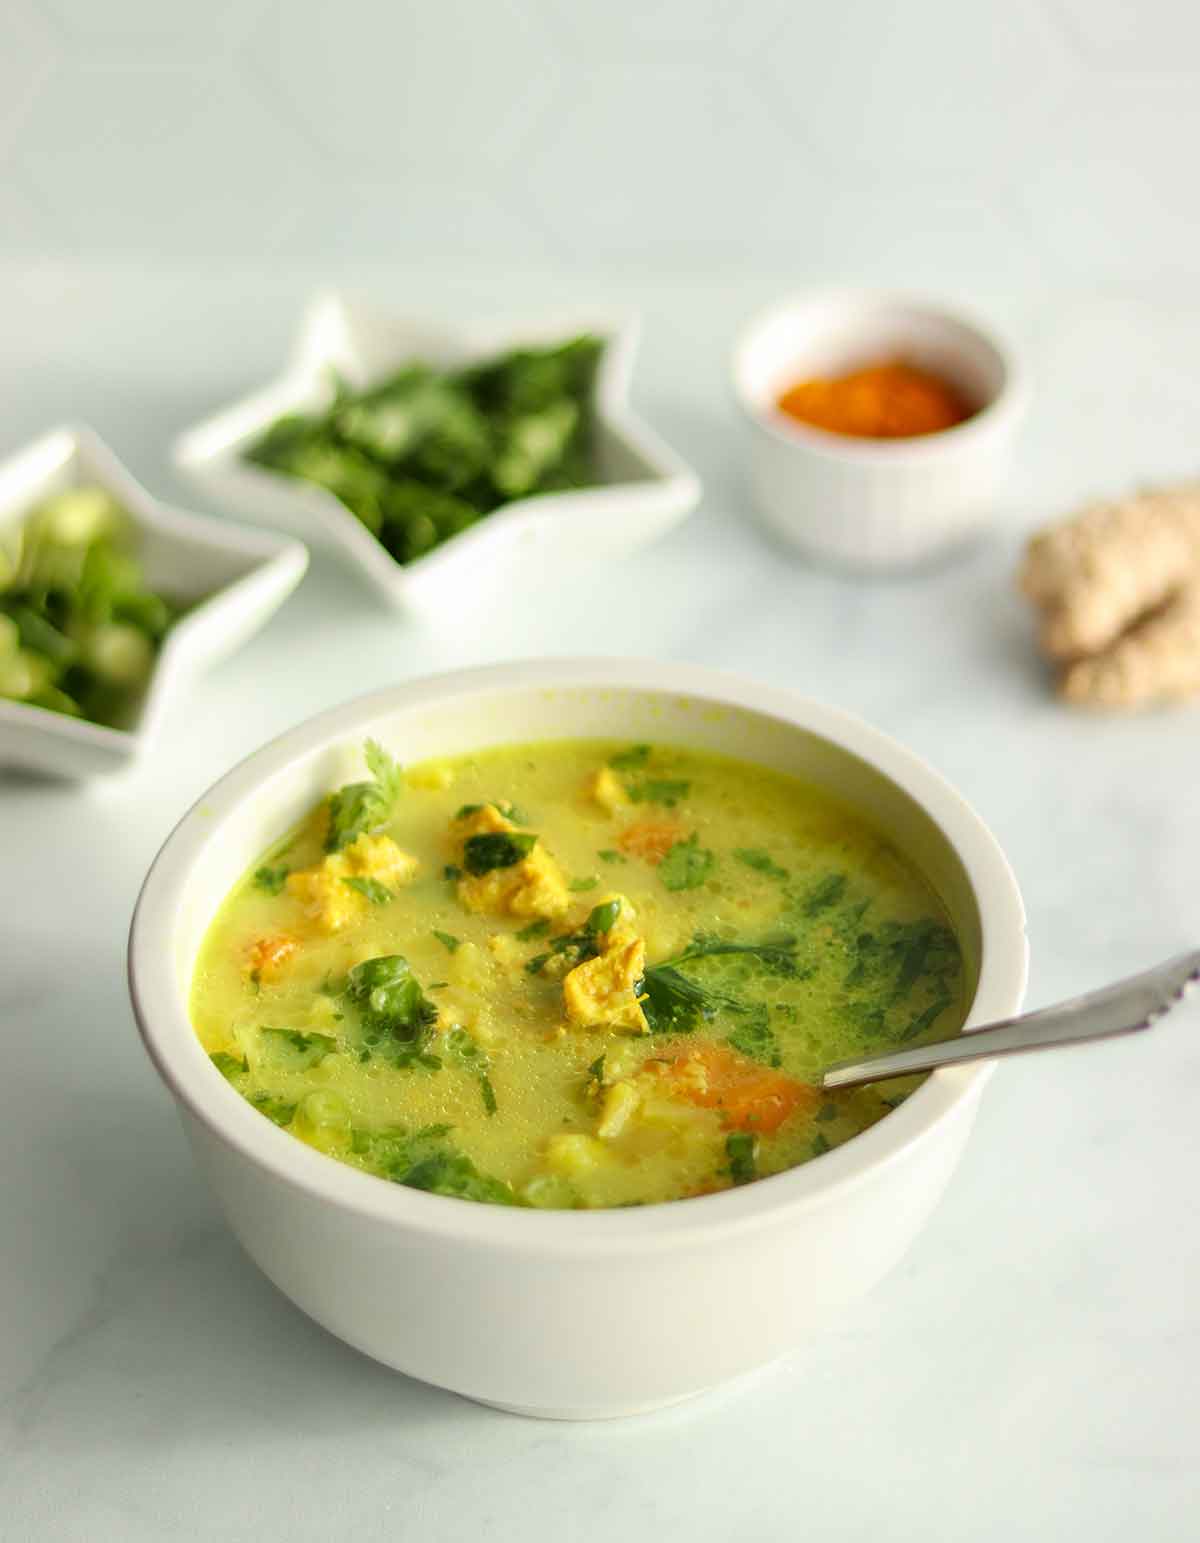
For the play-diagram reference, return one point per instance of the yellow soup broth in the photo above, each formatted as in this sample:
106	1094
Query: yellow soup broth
573	974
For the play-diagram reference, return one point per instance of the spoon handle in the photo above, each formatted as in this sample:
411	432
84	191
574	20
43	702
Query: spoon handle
1130	1005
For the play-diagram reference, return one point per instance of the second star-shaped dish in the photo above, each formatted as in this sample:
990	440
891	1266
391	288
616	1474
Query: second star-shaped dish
645	488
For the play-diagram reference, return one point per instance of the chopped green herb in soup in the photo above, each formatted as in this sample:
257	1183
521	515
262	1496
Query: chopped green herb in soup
573	974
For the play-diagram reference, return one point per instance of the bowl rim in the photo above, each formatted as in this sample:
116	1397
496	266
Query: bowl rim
1000	412
169	1038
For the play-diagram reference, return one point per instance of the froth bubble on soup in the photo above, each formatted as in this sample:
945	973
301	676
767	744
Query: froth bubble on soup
573	974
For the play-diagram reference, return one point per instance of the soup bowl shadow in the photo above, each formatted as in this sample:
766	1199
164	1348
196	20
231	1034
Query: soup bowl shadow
573	1314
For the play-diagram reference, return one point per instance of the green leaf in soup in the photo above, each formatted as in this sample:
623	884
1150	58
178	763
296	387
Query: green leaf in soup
820	1144
509	811
825	894
231	1067
925	1020
426	1160
755	1037
277	1110
447	940
496	849
741	1148
609	856
461	1047
762	862
362	807
659	790
537	929
777	952
454	1174
686	865
595	1076
581	886
297	1048
369	889
396	1017
630	760
271	880
583	943
675	1004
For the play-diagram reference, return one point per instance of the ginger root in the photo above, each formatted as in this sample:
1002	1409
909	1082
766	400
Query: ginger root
1157	660
1118	587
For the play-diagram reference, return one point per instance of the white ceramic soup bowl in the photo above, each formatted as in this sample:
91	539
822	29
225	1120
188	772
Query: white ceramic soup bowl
875	504
572	1314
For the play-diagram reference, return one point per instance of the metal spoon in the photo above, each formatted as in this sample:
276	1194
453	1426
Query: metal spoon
1130	1005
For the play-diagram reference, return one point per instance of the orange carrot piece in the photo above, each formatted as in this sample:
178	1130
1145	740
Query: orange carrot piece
651	839
269	955
747	1095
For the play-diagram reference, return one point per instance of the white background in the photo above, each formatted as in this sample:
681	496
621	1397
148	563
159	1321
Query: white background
173	181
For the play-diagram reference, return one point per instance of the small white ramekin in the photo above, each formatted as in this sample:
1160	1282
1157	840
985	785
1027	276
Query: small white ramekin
573	1314
864	503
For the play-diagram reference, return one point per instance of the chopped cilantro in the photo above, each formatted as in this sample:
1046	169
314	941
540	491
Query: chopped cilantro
760	861
676	1003
827	893
451	871
308	1049
924	1020
396	1016
609	856
820	1144
496	849
361	807
370	889
741	1148
631	759
469	1053
580	886
447	940
228	1065
537	929
686	865
426	1160
509	811
453	1173
271	879
274	1108
755	1037
658	791
595	1076
582	944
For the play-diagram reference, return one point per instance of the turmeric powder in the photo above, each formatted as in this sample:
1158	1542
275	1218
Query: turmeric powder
893	400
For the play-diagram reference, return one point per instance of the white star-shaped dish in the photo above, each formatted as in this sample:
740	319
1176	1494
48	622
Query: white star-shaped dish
645	488
230	578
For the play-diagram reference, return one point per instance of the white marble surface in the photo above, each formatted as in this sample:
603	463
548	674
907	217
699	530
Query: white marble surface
1029	1372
